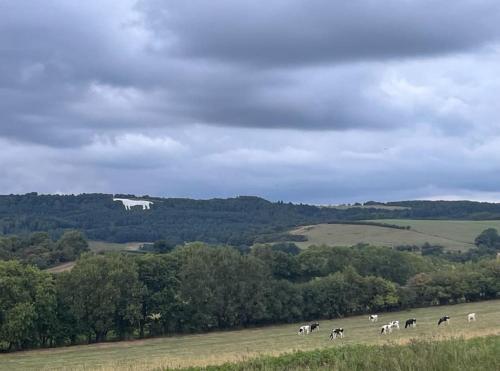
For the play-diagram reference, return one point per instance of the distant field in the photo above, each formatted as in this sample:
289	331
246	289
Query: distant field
455	230
451	234
99	246
220	347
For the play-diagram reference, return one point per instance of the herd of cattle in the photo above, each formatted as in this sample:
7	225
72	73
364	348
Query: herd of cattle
385	329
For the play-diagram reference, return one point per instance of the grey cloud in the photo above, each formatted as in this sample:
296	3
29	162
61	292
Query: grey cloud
298	32
187	63
177	98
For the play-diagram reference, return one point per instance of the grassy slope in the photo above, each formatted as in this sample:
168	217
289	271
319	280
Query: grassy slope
97	247
457	230
454	354
220	347
101	246
451	234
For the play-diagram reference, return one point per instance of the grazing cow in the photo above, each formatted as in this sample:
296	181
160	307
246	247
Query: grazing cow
412	322
471	317
445	319
304	330
394	324
386	329
314	326
373	317
337	332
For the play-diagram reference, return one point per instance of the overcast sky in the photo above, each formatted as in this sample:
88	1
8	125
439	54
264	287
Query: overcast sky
309	101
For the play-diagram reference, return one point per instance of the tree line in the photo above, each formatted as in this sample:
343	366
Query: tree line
198	287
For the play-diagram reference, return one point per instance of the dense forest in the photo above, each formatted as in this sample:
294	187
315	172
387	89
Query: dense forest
235	221
198	287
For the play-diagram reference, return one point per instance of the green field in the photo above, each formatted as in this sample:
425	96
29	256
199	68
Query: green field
464	231
451	234
233	346
101	246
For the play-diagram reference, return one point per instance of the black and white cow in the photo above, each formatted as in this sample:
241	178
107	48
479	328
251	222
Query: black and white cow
304	330
373	317
386	329
337	332
412	322
445	319
394	324
314	326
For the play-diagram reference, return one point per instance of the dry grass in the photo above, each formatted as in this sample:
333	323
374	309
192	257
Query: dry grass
240	345
102	246
61	267
98	247
464	231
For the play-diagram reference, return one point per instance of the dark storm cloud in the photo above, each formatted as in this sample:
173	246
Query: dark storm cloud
68	69
298	32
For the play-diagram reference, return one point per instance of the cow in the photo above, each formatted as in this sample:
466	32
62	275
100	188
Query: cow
337	332
412	322
314	326
373	317
445	319
304	330
386	329
471	317
394	324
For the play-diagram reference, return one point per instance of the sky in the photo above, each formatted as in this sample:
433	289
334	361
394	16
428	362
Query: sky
321	101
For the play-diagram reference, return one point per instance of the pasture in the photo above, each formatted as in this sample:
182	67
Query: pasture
99	247
451	234
460	231
240	345
102	246
476	354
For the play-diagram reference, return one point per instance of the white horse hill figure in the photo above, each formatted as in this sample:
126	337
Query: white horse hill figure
131	203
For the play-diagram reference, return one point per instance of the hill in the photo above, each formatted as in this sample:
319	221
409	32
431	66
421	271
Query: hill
235	221
451	234
225	346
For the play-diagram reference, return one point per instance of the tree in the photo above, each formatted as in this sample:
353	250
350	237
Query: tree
105	294
27	306
157	275
489	239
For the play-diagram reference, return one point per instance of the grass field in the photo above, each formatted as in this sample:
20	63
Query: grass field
98	247
233	346
451	234
478	354
101	246
454	230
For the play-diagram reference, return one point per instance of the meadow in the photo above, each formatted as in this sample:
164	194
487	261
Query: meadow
99	247
102	246
451	234
242	345
452	354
